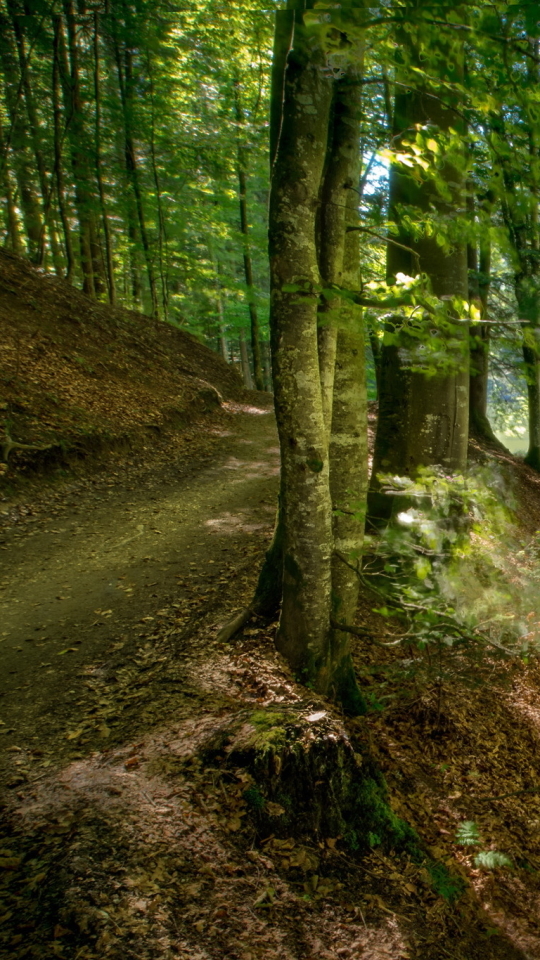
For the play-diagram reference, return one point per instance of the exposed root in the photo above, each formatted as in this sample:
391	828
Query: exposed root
7	445
232	627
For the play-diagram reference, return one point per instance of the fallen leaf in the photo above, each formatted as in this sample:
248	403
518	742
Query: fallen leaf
74	734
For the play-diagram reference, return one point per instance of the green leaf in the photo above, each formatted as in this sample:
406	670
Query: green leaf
491	859
467	834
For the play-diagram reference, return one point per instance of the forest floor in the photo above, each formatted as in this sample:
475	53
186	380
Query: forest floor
125	831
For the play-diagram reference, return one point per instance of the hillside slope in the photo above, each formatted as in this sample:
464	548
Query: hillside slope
79	377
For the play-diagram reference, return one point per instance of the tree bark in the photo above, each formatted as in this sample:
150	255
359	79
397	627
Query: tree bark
304	628
124	65
348	435
99	168
78	141
283	38
46	187
17	140
244	360
12	223
423	418
479	337
58	165
241	168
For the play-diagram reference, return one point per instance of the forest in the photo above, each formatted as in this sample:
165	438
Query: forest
269	479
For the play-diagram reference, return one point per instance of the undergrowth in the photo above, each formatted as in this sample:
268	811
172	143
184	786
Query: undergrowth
457	583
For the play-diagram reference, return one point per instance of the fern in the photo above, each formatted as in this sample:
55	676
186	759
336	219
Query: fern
467	834
491	859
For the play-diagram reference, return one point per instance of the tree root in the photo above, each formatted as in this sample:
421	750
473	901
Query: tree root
233	626
7	445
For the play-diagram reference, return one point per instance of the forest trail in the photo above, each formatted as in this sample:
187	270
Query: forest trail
111	559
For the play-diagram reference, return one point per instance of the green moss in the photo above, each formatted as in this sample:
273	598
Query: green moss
447	886
377	821
254	798
270	729
345	689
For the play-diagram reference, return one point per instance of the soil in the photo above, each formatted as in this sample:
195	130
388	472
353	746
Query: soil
98	564
131	826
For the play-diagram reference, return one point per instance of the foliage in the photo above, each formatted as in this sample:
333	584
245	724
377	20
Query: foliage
491	860
467	834
454	572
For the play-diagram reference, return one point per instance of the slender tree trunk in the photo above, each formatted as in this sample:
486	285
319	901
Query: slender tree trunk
267	366
99	170
269	590
531	294
527	295
12	223
17	141
303	634
423	418
162	228
125	80
241	168
58	143
244	360
283	38
223	344
79	147
348	436
375	345
479	333
46	188
134	269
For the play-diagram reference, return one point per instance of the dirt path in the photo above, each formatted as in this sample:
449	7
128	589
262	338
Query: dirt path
107	566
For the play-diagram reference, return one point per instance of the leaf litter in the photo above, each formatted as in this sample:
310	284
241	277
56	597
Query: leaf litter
128	838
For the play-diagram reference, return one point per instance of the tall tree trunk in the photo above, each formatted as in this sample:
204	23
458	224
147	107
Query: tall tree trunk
244	360
17	140
162	228
304	628
124	64
58	166
99	170
241	168
479	336
423	418
527	294
78	141
283	37
46	188
134	269
520	213
348	435
12	223
530	277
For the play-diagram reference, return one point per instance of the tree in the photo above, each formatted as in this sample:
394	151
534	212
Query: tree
424	399
320	405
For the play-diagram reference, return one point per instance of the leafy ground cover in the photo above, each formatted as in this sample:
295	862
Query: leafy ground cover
79	379
133	821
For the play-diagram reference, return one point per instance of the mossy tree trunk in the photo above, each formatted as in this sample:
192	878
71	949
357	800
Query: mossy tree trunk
348	443
318	366
341	363
423	417
304	628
